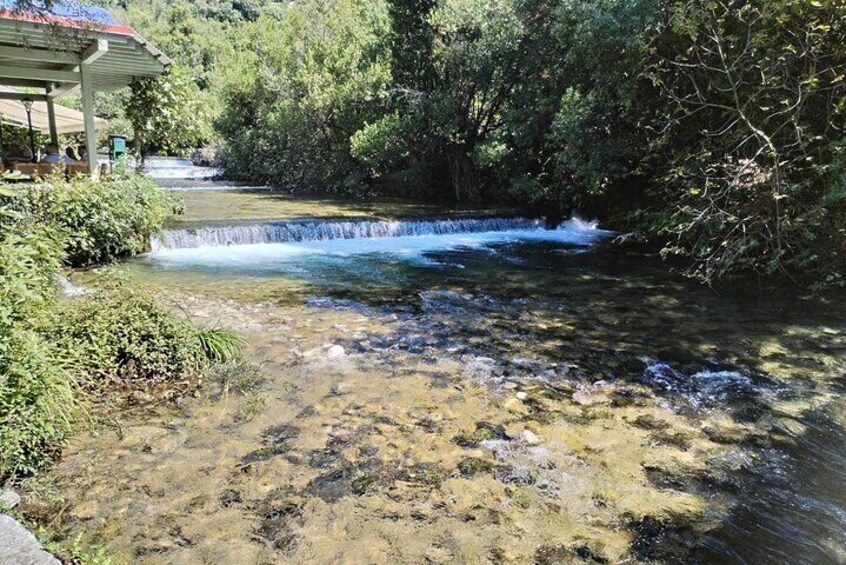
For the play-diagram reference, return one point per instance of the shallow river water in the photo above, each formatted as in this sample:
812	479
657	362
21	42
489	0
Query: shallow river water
426	388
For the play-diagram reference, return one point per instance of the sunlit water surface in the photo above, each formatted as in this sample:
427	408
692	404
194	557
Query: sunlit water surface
524	303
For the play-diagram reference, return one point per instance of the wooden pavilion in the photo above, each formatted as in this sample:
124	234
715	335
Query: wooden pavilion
56	50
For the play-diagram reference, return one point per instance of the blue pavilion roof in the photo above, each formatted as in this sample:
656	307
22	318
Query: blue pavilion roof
64	9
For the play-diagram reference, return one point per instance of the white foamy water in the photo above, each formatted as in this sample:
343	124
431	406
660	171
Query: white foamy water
192	173
328	230
165	168
268	243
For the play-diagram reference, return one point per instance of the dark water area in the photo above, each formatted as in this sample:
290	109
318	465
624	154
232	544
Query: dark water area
795	510
766	357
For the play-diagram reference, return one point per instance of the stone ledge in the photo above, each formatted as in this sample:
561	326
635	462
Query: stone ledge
18	545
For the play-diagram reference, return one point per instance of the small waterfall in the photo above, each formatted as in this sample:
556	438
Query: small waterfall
311	230
171	168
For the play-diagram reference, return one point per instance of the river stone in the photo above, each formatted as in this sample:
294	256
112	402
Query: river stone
789	427
9	499
19	547
529	437
335	351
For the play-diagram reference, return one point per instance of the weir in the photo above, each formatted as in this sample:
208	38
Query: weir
312	230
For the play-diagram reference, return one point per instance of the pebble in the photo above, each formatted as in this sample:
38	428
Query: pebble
522	395
335	351
141	397
530	437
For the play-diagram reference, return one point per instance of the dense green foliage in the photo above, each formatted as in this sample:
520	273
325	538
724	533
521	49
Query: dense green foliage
166	113
754	135
713	126
298	88
100	222
121	335
57	353
37	402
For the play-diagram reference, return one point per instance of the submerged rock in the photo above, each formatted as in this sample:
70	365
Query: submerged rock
788	427
470	466
529	437
563	555
664	541
230	497
266	453
332	486
335	352
484	431
275	435
278	513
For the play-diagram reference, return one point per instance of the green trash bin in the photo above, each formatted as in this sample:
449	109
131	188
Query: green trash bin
117	147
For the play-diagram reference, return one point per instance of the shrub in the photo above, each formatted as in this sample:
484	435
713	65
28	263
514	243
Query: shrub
121	335
50	351
102	221
37	403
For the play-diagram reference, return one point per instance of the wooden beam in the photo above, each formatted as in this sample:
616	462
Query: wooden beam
39	55
91	53
21	83
46	75
22	96
88	118
94	51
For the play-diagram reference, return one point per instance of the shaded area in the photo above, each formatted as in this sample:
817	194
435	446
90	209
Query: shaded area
794	511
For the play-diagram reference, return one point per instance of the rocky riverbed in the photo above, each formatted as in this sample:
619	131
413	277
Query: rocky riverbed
360	435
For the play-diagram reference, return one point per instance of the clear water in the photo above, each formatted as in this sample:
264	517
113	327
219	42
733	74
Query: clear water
524	302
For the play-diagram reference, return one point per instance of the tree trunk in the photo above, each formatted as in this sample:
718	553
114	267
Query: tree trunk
140	150
462	174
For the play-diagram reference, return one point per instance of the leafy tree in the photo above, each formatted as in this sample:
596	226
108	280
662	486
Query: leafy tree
754	133
451	96
166	113
714	126
298	88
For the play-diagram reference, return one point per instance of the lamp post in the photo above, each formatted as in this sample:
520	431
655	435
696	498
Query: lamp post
28	105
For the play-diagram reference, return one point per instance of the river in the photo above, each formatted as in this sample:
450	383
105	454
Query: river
451	385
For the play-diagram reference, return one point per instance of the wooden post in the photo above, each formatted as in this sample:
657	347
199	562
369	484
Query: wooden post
51	117
90	129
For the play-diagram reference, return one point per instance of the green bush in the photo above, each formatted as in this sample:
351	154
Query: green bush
37	403
123	335
102	221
